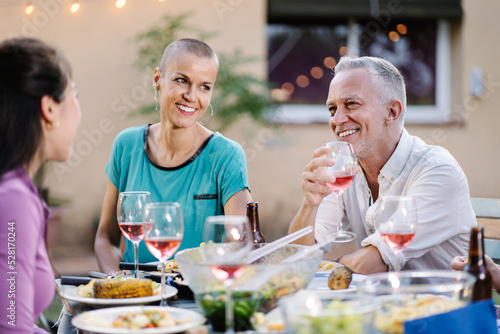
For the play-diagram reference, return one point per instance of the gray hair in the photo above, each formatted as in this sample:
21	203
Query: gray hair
392	85
187	45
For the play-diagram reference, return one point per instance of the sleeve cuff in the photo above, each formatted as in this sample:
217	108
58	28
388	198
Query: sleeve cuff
388	256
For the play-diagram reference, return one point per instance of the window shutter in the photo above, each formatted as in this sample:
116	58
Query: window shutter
324	11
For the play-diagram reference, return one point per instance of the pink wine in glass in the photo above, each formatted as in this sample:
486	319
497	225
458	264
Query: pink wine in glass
227	271
161	247
398	241
133	231
341	183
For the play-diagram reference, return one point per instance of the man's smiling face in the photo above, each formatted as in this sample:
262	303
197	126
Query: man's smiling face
357	116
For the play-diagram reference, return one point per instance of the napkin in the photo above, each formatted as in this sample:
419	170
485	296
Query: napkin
478	317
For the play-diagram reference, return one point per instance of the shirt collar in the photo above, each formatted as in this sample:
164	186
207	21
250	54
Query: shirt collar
394	166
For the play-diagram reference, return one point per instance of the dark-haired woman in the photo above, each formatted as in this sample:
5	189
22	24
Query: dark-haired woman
39	116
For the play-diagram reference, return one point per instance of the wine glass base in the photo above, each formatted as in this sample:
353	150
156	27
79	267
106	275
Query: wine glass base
341	237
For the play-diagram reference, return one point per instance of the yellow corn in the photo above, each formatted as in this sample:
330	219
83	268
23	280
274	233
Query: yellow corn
123	288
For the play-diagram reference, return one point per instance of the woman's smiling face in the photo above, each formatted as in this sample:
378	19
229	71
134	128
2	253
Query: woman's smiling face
185	86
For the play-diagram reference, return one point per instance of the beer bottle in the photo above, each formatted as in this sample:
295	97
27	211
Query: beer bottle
253	218
476	265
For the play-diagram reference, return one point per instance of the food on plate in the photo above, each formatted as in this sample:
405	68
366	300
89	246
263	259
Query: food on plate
340	278
213	305
123	288
171	266
86	290
119	288
326	265
394	312
266	325
146	319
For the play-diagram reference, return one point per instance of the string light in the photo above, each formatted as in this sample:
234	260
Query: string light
302	81
75	6
402	29
317	72
329	62
394	36
29	8
120	3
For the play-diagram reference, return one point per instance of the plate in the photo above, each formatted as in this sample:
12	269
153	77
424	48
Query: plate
158	274
99	321
168	272
70	292
320	282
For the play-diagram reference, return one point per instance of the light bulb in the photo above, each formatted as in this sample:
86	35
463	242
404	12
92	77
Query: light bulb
29	8
120	3
75	6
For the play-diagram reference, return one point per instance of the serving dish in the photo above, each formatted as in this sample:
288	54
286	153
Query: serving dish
410	295
267	275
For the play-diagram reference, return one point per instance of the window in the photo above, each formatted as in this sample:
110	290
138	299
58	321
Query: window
301	56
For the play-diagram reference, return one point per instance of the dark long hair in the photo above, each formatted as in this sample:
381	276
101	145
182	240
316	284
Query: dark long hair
29	70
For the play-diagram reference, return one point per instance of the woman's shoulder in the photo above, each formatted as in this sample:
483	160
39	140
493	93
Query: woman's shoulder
17	193
218	140
131	132
131	136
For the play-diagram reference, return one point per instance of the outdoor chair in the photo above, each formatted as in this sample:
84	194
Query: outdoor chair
488	215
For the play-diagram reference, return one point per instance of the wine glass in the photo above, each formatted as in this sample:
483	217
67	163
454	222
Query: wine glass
227	242
344	171
396	220
129	213
163	227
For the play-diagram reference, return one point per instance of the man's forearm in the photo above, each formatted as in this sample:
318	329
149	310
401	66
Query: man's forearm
364	261
305	217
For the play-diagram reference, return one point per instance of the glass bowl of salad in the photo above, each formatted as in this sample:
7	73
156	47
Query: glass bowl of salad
324	312
410	295
268	276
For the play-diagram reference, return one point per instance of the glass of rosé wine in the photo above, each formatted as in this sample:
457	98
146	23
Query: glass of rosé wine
345	169
163	227
129	212
228	240
396	221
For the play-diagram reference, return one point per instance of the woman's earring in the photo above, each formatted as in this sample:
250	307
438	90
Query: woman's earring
211	114
156	99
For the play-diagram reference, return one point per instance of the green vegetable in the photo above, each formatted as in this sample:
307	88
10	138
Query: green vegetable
337	322
213	305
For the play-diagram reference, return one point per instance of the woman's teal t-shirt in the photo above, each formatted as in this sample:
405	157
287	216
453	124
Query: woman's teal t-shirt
202	185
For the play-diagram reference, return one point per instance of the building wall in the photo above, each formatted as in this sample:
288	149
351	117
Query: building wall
98	41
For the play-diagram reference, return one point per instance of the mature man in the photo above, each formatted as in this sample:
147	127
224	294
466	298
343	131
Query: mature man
367	103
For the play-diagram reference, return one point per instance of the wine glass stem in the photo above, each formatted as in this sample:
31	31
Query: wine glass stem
397	261
163	299
136	259
229	309
339	215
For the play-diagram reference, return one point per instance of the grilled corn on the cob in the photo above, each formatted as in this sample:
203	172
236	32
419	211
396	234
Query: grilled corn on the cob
123	288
